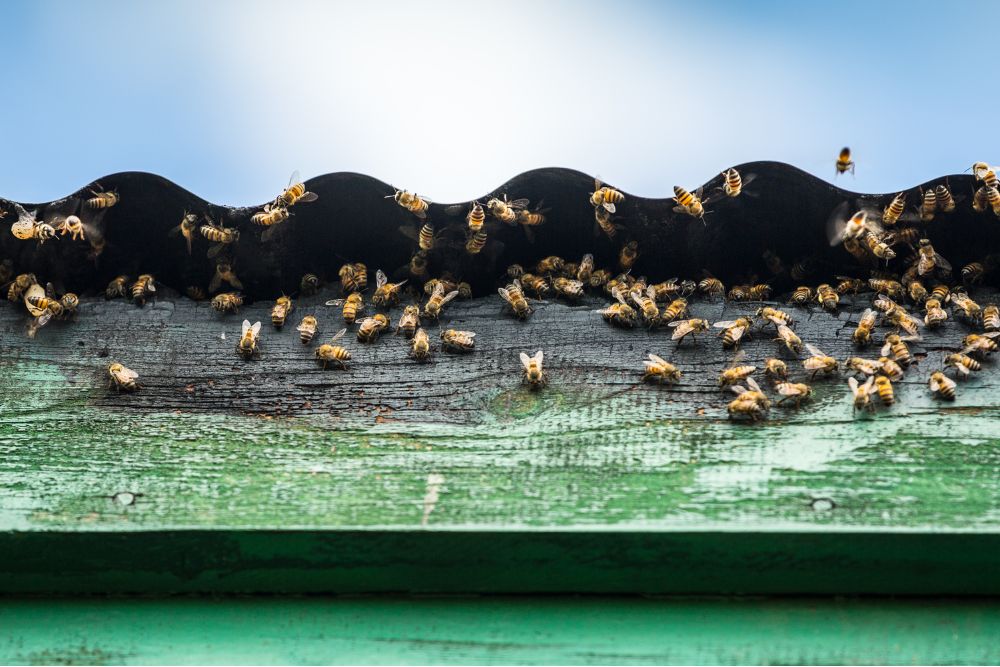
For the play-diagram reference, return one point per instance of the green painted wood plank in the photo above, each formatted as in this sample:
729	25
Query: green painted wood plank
498	631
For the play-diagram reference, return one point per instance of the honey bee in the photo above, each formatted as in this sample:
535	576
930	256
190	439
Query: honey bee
896	348
775	369
965	307
73	226
102	199
684	328
116	288
972	273
328	353
853	228
895	209
605	197
712	287
862	394
431	285
26	227
476	242
411	202
980	344
224	273
827	297
602	220
247	345
993	199
739	293
20	285
941	292
674	310
122	378
962	363
902	236
883	387
550	264
945	201
942	386
863	334
991	318
736	372
270	217
891	288
568	288
819	362
187	228
418	265
514	296
878	248
41	306
476	217
621	313
409	321
281	309
353	304
898	317
420	346
425	237
752	402
659	371
688	203
599	278
219	236
929	259
353	277
917	292
528	219
437	301
458	341
844	162
759	292
464	290
891	369
307	329
646	301
386	293
505	211
980	170
195	293
733	183
227	302
295	193
775	316
627	255
372	327
586	269
309	284
802	295
536	284
793	391
864	366
69	302
734	331
928	205
934	315
533	373
979	200
143	288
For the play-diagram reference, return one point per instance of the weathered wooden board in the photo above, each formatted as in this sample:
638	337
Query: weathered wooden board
498	631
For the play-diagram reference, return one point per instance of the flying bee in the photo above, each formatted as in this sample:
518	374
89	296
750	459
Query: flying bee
187	228
929	259
281	309
353	304
602	220
934	315
307	329
659	371
878	248
586	269
991	318
712	287
505	211
26	227
688	203
980	344
627	255
353	277
328	353
227	302
863	334
420	345
684	328
733	183
819	362
476	217
852	228
993	199
895	347
514	296
411	202
550	264
674	310
844	162
646	301
102	199
902	236
536	284
972	273
736	372
847	285
979	170
476	242
605	197
437	301
827	297
864	366
862	394
965	307
386	293
945	201
734	331
802	295
528	219
247	345
621	313
774	316
122	378
20	285
533	373
143	288
775	369
73	226
43	307
224	273
424	237
371	327
942	386
988	176
458	341
962	363
752	402
567	287
895	209
295	193
220	236
928	205
979	200
891	288
309	284
793	391
271	217
117	287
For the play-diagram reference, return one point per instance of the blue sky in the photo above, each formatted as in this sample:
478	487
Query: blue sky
452	98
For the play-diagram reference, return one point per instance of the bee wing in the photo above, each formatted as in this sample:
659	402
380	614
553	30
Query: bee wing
269	232
683	329
308	197
812	363
409	232
214	250
942	263
948	382
886	349
962	369
246	326
815	351
867	386
739	357
786	389
470	334
617	293
518	203
655	359
129	374
449	296
255	328
725	324
294	179
380	279
234	281
215	283
505	294
338	335
538	357
853	384
525	360
753	384
609	207
738	390
335	302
